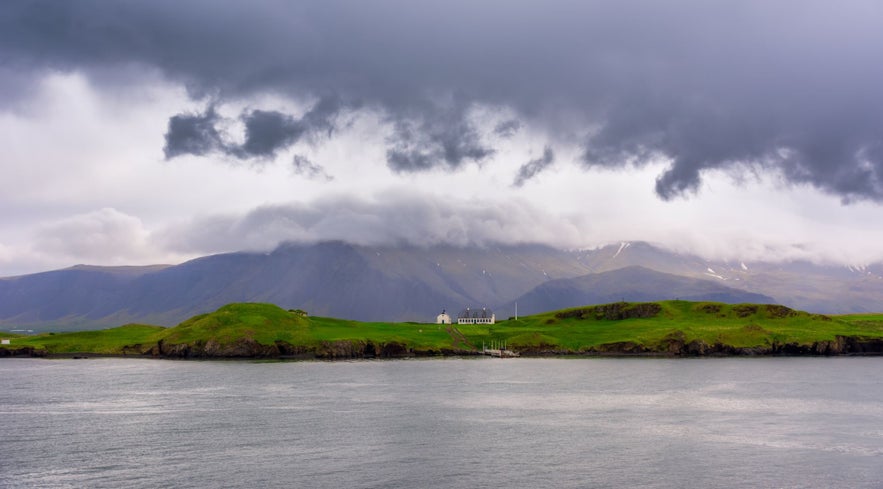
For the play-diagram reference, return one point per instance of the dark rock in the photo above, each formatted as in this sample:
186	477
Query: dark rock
744	310
24	351
393	350
622	347
674	343
778	312
861	346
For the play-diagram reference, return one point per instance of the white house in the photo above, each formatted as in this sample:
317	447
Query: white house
476	316
443	318
4	342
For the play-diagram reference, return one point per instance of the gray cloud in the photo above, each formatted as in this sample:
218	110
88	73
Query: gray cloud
192	134
106	235
438	137
507	128
266	131
533	167
786	86
399	217
269	131
301	165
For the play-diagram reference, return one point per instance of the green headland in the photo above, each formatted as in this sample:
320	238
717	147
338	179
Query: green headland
668	328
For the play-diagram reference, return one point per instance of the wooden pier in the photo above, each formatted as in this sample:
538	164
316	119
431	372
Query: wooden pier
498	349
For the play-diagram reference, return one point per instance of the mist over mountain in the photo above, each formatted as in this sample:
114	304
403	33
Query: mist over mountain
410	283
801	284
633	284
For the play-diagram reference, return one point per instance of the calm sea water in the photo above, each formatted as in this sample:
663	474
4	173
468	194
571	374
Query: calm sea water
790	422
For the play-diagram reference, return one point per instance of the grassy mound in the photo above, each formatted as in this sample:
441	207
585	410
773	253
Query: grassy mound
264	323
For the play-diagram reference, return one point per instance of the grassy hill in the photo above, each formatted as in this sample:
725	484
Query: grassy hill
663	326
659	328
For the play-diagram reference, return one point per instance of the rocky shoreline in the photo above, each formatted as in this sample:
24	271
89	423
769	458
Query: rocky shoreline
672	347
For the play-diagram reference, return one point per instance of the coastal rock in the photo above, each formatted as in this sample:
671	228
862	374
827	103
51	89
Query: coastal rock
249	348
674	343
861	346
287	350
241	348
623	348
340	349
24	351
394	350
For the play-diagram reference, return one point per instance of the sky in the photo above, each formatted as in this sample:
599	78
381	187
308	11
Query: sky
135	132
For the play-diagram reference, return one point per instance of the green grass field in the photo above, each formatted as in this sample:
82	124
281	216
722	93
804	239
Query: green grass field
744	325
577	330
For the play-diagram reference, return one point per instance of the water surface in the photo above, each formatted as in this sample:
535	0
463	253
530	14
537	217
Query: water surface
653	423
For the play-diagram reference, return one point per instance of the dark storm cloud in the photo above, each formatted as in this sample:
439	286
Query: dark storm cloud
192	134
790	86
269	131
266	131
533	167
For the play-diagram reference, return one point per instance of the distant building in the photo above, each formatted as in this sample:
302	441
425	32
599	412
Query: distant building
4	342
443	318
476	316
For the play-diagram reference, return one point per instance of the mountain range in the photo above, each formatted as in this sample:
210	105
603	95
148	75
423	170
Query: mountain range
411	283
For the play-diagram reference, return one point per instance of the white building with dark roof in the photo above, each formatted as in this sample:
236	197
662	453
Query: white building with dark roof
476	316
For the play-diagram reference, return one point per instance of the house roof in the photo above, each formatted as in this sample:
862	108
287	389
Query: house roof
475	313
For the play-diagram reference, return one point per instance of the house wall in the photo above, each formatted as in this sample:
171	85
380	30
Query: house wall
489	320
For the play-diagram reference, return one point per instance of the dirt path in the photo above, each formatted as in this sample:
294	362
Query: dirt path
458	341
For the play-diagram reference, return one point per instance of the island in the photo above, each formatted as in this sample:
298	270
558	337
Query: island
665	328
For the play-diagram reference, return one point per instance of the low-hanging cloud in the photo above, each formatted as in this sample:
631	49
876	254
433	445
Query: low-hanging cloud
787	87
105	235
395	218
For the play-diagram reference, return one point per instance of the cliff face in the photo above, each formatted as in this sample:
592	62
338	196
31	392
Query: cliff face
24	351
336	350
675	346
249	348
841	345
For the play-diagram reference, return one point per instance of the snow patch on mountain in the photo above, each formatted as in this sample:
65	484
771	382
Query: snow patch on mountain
623	245
711	273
